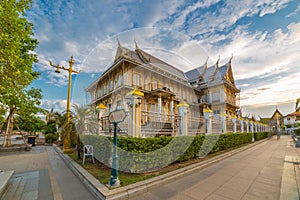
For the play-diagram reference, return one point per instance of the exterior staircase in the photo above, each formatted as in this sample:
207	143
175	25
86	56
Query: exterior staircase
157	129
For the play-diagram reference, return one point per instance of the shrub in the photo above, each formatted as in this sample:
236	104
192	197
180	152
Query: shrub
297	131
167	149
260	135
49	138
288	126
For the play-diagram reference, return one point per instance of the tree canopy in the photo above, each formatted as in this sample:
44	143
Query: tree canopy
16	51
16	61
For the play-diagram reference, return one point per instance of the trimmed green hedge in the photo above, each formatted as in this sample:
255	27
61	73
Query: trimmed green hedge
261	135
146	154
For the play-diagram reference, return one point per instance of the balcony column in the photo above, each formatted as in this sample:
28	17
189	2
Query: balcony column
172	106
148	112
134	121
182	112
159	107
172	111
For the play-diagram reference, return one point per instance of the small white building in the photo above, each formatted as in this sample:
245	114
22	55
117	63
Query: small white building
292	118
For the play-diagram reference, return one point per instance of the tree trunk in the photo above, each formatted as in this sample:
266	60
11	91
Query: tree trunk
78	146
9	128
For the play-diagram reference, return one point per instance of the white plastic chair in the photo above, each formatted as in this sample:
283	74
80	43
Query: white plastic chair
88	151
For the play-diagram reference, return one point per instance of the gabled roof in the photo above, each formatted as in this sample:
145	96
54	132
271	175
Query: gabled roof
293	114
141	57
276	111
121	51
209	72
213	73
223	70
150	59
194	74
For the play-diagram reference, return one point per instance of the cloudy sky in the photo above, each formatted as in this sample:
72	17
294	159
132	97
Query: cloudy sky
263	37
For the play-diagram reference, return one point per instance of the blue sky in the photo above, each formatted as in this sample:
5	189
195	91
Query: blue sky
263	37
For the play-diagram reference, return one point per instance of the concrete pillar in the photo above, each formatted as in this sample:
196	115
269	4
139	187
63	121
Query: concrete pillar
251	127
242	125
233	120
247	126
208	115
182	112
101	111
223	122
131	115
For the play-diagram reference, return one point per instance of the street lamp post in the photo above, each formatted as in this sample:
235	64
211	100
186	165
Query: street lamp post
67	139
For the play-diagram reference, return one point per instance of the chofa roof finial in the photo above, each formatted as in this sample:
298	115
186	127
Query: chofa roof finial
136	45
119	43
217	64
231	58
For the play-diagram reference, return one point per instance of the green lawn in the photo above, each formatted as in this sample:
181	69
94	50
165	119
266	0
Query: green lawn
102	172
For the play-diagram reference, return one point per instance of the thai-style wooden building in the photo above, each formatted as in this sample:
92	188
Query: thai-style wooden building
161	99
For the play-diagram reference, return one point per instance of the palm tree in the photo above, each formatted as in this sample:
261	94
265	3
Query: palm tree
297	103
85	120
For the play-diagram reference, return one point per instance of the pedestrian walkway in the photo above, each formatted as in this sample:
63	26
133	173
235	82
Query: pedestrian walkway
269	170
252	174
41	174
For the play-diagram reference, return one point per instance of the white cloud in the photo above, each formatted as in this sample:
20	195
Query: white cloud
86	29
57	105
184	13
273	6
224	17
294	12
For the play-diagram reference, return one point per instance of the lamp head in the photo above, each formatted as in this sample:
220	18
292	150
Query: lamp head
57	71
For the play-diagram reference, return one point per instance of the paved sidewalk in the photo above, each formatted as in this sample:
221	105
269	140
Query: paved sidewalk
256	173
253	174
41	174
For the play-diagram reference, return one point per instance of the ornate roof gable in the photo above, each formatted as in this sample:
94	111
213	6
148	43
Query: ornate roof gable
277	113
204	69
226	72
229	74
216	68
121	51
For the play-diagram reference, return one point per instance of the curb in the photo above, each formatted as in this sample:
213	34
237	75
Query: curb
15	148
100	191
4	180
